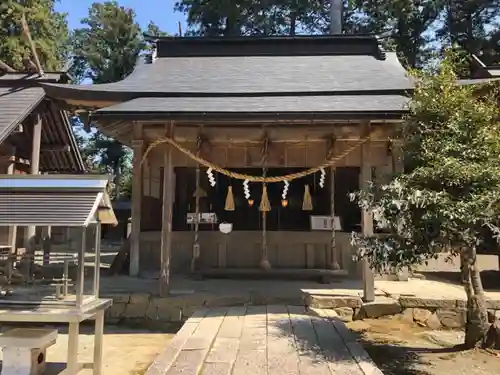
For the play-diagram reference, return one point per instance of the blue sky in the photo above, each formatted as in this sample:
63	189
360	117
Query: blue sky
160	12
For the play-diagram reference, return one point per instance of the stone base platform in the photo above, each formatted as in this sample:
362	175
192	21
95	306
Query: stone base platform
423	301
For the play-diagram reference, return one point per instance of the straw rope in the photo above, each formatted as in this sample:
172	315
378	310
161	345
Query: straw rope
240	176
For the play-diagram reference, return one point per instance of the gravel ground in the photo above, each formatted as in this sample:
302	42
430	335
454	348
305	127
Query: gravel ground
402	349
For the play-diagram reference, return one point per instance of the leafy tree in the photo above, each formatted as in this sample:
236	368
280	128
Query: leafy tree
449	195
270	17
106	50
48	30
406	23
472	26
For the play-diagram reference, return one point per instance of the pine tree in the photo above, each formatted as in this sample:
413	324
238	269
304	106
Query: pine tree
48	30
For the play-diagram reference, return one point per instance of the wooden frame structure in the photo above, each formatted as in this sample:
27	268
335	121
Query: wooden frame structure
274	102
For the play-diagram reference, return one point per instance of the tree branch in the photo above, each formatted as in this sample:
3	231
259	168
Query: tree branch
7	68
27	33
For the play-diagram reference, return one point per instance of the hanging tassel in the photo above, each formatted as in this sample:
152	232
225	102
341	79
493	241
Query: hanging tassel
229	199
307	201
265	206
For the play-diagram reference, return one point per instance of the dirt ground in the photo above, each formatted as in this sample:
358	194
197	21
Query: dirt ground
399	348
127	351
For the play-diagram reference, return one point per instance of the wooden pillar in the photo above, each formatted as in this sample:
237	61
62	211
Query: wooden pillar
137	182
367	220
166	229
196	244
264	260
334	262
46	244
34	169
12	239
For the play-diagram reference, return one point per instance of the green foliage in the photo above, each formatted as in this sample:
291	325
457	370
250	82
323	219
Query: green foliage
252	17
106	49
449	195
48	30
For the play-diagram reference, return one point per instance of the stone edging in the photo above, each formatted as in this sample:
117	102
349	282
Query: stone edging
434	313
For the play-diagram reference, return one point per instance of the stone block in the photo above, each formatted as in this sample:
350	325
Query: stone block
461	303
420	316
139	298
135	310
452	318
382	306
116	311
433	322
120	298
345	314
427	303
163	309
332	302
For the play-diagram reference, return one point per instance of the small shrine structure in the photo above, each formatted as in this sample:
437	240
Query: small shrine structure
246	150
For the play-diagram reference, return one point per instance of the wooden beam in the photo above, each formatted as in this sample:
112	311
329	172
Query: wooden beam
137	182
367	219
55	148
27	33
276	134
166	230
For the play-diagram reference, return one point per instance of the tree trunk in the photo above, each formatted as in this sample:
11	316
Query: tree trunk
478	331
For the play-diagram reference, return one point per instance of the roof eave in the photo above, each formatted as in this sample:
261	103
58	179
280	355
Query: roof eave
103	115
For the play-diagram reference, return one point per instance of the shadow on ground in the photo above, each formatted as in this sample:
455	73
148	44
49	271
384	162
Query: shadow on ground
330	344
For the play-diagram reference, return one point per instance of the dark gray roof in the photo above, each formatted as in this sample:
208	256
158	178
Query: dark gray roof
245	75
205	106
17	102
15	105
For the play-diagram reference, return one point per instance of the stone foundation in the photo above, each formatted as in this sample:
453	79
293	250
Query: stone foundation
150	310
145	308
434	313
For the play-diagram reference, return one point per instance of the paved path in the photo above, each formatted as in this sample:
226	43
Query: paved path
263	340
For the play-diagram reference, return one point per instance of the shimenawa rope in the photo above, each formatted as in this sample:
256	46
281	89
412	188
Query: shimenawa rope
240	176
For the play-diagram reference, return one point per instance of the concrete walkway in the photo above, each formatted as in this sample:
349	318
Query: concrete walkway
263	340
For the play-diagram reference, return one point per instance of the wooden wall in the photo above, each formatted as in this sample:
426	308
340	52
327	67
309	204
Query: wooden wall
285	249
280	155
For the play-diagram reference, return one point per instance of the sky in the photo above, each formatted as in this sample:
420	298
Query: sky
161	12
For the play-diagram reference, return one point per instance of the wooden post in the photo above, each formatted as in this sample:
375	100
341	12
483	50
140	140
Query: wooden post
30	235
137	182
264	261
367	220
12	240
46	244
196	244
166	230
334	262
333	259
